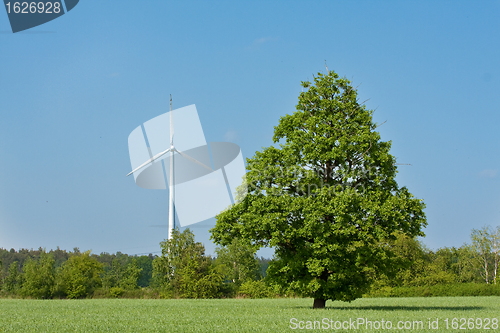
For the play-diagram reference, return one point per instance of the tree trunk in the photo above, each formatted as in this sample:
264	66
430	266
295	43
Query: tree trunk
319	303
486	270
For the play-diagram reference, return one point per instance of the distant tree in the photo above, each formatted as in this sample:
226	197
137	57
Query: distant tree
495	247
410	259
131	276
184	270
465	267
60	256
481	249
12	282
263	265
324	197
121	276
39	277
443	259
112	274
106	259
412	265
240	262
439	268
146	265
80	275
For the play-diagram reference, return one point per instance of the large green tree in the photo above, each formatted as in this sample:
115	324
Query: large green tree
325	198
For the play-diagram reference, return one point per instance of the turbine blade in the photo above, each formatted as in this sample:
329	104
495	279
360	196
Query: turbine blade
193	160
152	159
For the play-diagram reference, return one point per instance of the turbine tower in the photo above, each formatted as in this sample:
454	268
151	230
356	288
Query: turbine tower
171	186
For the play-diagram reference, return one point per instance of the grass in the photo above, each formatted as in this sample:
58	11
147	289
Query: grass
233	315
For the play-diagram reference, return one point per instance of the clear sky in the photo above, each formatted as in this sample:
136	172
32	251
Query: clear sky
73	89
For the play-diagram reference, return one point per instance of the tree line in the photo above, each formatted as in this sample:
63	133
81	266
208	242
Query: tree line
183	270
60	274
475	262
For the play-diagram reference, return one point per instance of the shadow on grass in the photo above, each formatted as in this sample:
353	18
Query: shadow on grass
400	308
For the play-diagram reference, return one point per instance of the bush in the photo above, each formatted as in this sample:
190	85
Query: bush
463	289
255	289
116	292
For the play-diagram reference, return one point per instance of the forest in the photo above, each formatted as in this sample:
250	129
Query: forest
235	271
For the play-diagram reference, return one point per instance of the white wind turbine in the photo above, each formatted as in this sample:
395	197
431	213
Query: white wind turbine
172	150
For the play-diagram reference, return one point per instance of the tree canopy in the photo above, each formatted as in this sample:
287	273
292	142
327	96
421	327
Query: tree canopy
240	262
80	275
324	196
183	269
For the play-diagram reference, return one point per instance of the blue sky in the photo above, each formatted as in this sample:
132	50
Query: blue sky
73	89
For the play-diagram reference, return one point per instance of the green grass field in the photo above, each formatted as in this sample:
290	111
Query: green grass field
245	315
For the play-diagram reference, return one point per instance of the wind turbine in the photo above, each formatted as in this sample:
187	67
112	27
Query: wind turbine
172	150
